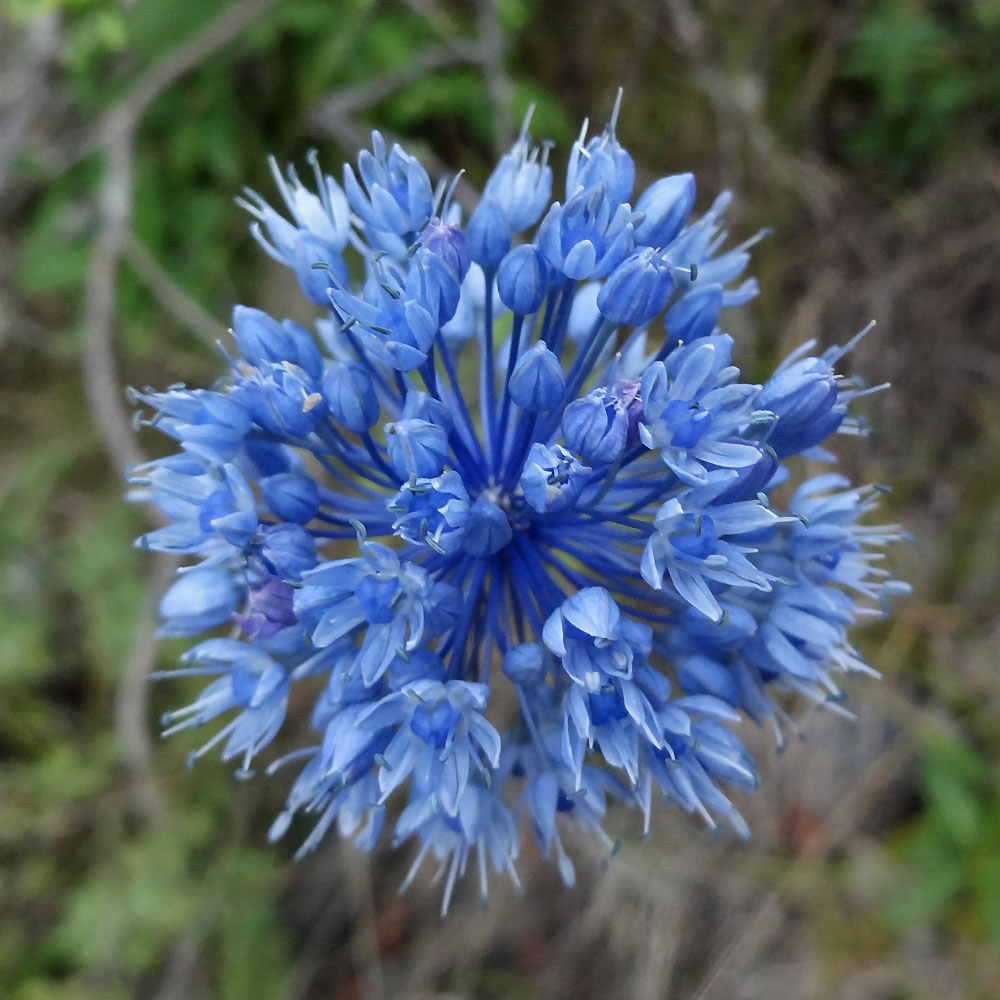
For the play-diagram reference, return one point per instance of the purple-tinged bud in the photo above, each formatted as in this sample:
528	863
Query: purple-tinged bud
523	279
637	289
350	396
694	316
489	234
416	447
595	427
433	284
269	610
537	383
629	389
666	204
291	496
447	243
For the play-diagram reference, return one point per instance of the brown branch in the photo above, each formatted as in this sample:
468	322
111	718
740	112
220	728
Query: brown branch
132	701
126	113
101	382
351	98
116	134
225	28
364	923
738	104
25	58
169	294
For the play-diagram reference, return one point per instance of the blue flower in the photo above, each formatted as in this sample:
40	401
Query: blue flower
690	544
248	680
694	410
552	479
598	426
521	184
588	236
318	235
637	290
394	199
210	501
470	481
601	162
665	206
537	382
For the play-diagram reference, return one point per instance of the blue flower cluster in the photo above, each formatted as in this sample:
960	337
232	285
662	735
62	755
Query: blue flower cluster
508	511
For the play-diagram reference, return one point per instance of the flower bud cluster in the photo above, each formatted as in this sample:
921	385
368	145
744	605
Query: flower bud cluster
515	453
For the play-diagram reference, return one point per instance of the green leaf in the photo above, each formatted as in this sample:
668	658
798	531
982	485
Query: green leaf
57	246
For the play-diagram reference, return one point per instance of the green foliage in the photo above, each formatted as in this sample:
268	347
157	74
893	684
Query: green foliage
26	587
56	252
952	854
95	901
929	72
459	92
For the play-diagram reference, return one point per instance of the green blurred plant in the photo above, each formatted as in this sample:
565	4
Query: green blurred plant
932	80
951	855
93	903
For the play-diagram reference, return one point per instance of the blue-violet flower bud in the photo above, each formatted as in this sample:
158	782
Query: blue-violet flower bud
665	206
637	290
350	396
537	383
522	279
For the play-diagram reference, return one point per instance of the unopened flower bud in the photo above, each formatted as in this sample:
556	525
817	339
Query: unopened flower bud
522	280
665	205
351	396
637	289
695	315
416	447
291	496
488	233
537	383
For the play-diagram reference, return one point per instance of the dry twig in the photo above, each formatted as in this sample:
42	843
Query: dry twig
169	294
132	701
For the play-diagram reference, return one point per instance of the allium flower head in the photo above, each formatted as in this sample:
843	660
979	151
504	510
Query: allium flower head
540	556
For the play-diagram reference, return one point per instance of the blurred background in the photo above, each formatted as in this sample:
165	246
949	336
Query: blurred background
866	133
